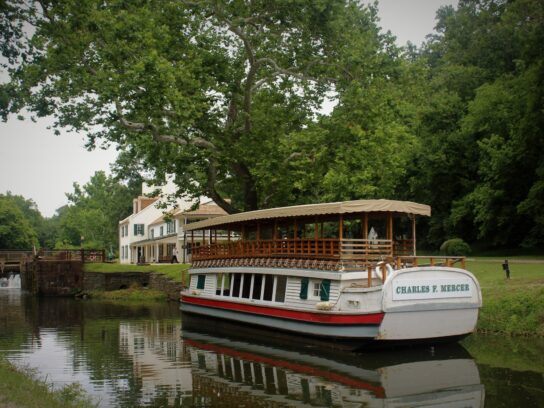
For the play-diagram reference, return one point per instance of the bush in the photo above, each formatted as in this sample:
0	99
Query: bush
455	247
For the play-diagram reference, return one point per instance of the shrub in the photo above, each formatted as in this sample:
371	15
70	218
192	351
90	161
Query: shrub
455	247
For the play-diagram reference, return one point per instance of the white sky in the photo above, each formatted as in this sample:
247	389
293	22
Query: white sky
39	165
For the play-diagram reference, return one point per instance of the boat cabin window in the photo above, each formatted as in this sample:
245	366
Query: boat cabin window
236	281
281	284
201	282
252	286
320	289
223	284
317	288
257	286
268	287
246	285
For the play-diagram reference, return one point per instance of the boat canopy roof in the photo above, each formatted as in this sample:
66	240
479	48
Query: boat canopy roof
343	207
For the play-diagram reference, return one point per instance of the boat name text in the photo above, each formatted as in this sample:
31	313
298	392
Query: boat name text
404	289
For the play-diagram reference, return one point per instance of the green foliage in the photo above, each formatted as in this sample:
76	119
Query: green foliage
16	232
480	163
21	387
93	213
455	247
519	311
219	93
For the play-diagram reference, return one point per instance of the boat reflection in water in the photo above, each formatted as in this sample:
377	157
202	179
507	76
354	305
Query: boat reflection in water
237	372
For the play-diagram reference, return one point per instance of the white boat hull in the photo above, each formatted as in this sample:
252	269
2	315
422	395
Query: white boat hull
414	304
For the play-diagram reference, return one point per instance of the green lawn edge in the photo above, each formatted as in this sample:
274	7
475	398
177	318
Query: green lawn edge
176	272
21	387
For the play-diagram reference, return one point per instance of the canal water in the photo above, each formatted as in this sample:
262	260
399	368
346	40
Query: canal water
142	355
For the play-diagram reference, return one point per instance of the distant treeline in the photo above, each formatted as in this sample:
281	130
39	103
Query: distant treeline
89	220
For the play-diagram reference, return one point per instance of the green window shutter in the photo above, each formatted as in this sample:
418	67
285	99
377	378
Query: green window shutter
201	282
304	282
135	229
325	289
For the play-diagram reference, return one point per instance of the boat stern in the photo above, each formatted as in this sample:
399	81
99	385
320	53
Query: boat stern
429	303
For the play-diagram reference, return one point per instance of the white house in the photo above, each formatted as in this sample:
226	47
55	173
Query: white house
150	234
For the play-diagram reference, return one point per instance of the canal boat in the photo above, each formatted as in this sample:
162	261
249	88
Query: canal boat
346	273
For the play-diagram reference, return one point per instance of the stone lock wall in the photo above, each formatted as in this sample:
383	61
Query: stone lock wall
58	278
67	278
115	280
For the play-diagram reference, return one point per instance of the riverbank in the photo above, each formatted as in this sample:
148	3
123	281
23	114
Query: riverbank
21	388
515	306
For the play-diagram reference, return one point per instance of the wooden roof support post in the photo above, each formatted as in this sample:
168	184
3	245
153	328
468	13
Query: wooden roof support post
414	234
390	230
341	227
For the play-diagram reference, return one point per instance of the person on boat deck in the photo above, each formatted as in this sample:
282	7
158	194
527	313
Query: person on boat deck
174	256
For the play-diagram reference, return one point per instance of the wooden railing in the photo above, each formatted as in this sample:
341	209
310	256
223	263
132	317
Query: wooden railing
82	255
328	249
302	248
364	249
404	261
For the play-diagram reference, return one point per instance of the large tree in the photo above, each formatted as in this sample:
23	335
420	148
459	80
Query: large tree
482	149
15	230
223	94
94	212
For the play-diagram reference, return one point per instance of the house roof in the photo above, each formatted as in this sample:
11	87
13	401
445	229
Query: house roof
343	207
209	209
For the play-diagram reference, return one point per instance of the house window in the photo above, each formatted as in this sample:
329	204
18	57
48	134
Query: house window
170	227
201	282
138	229
122	230
162	231
152	232
126	230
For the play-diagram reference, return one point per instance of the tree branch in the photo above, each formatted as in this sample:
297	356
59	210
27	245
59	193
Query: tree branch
155	133
211	182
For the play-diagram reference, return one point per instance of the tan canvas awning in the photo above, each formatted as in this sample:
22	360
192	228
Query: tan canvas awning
344	207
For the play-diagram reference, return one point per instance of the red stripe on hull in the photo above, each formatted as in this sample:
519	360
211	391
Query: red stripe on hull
315	371
311	317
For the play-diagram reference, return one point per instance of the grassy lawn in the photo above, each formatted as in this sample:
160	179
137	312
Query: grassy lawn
512	306
129	295
20	387
176	272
